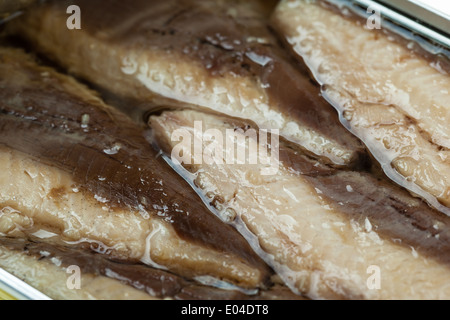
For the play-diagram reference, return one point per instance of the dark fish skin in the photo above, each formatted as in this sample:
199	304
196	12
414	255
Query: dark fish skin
60	123
222	45
321	229
157	283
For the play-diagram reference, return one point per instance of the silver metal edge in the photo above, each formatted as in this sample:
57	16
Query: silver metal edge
406	22
395	22
19	289
422	11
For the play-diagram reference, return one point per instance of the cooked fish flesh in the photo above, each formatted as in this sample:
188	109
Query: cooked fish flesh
328	233
85	185
78	169
217	55
50	269
47	275
395	99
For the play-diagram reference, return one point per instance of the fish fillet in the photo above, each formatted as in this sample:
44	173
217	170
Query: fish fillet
46	276
76	168
328	233
217	55
394	99
50	269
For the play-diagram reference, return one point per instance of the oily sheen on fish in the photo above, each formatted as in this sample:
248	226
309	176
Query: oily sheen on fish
217	55
45	273
328	233
45	267
393	98
79	169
